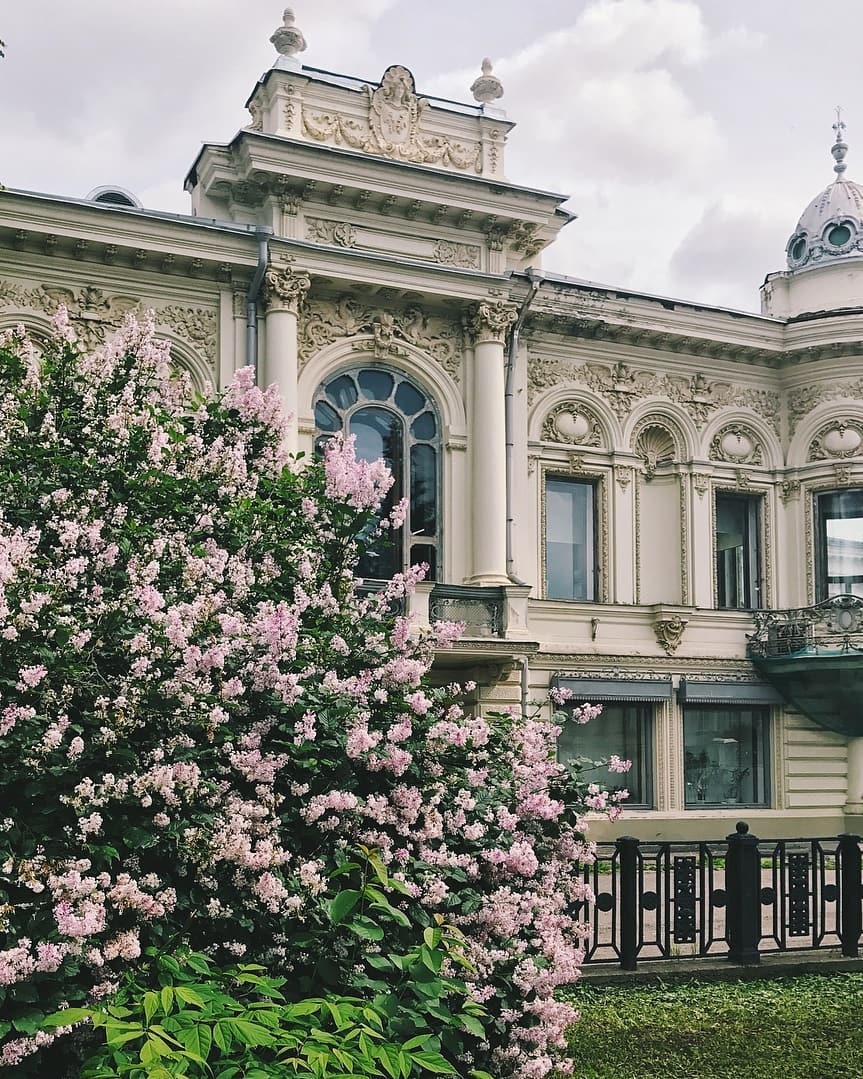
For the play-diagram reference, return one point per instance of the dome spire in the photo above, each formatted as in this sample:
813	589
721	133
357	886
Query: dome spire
840	146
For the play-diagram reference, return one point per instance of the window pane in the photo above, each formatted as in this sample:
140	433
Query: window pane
376	385
622	729
840	516
424	552
424	426
570	565
326	418
409	399
726	756
342	391
736	550
380	435
423	511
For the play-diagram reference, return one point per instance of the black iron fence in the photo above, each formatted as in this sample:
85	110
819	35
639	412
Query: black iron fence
733	899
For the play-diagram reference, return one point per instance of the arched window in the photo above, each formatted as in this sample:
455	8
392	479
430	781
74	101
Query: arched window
392	418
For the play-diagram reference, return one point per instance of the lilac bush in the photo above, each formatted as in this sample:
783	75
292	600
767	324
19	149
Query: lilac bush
201	715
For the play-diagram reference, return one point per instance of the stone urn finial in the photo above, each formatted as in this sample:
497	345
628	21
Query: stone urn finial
487	87
288	38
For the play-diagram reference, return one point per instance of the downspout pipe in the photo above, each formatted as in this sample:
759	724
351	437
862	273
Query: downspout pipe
535	278
262	234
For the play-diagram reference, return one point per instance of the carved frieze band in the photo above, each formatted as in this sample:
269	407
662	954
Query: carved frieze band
623	387
802	400
340	233
384	333
95	314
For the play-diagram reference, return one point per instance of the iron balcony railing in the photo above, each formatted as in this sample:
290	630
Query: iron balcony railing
733	899
832	627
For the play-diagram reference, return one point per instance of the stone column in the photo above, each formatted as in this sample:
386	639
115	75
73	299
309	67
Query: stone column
489	323
284	292
854	795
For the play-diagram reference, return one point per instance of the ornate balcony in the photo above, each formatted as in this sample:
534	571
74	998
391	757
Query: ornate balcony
814	658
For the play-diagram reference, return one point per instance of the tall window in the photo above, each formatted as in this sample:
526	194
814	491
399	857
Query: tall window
726	758
737	550
622	729
839	555
570	539
392	419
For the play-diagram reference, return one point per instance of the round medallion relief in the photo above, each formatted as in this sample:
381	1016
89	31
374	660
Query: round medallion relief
572	425
841	441
736	444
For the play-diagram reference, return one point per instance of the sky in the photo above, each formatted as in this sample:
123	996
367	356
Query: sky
689	134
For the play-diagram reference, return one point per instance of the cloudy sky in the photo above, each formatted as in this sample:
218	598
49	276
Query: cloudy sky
689	134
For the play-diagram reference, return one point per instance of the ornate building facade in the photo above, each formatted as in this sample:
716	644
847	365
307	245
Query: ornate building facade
653	503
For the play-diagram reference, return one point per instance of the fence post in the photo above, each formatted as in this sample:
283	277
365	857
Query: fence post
743	887
627	849
850	894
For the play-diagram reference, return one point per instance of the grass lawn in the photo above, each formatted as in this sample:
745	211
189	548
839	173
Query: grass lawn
808	1027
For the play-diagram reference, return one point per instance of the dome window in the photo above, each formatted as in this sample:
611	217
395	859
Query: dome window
115	196
798	248
839	235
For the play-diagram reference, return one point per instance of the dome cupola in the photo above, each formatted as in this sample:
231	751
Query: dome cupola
831	226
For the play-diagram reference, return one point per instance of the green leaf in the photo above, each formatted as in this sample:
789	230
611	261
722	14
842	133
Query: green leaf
151	1006
366	929
432	936
472	1024
434	1063
198	1040
67	1017
188	996
167	999
343	904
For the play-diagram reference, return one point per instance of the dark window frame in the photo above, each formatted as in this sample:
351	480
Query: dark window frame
646	719
364	400
750	583
761	745
820	502
594	576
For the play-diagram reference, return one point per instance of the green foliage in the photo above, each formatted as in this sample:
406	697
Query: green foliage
789	1028
182	1015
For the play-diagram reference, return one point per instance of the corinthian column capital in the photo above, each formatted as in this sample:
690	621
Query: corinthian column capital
285	288
490	320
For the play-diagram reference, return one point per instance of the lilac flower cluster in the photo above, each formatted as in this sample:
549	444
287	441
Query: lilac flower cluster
200	712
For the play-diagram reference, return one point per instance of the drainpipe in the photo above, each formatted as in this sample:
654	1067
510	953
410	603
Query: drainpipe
263	234
535	278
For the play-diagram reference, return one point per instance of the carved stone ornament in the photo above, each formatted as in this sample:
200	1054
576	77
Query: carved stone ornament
801	401
288	39
789	491
392	128
325	321
742	480
843	474
491	320
257	114
736	444
574	424
622	386
575	462
669	633
285	288
701	483
655	446
487	87
95	316
623	474
447	253
340	233
837	440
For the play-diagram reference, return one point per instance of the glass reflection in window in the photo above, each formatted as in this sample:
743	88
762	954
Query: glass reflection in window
622	729
570	557
725	755
840	543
